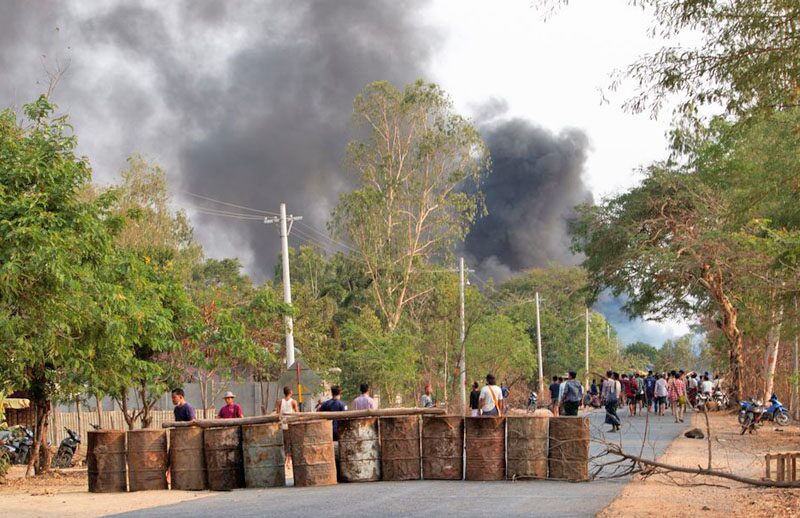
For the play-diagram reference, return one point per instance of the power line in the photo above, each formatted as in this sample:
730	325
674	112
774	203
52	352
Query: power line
206	198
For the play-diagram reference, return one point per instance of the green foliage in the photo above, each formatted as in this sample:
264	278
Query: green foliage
643	351
503	347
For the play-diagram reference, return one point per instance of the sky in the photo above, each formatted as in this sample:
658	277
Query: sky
250	103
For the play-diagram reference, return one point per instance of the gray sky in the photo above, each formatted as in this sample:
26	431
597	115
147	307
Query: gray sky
250	103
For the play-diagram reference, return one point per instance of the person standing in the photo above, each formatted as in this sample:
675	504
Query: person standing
364	402
491	398
554	393
231	410
631	388
474	400
183	411
609	393
707	386
572	394
426	401
334	404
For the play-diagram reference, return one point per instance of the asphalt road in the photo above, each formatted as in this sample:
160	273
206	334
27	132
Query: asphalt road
438	498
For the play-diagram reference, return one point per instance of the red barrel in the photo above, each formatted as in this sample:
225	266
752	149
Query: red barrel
105	459
486	454
569	448
313	457
401	455
442	447
187	463
526	449
223	452
147	459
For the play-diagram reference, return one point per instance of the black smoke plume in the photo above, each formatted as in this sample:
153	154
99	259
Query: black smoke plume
531	193
248	102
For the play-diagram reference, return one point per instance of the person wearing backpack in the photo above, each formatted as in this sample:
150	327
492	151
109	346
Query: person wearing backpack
572	395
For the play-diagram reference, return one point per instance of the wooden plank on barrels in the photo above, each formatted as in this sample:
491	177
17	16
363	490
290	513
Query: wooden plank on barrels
105	460
187	462
401	455
568	449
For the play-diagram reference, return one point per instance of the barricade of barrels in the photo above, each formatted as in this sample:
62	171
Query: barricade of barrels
224	456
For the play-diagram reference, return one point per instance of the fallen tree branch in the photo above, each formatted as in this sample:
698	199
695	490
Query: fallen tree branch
613	449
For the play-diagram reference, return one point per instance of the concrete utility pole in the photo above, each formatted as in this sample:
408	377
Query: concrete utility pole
587	351
287	285
539	348
462	365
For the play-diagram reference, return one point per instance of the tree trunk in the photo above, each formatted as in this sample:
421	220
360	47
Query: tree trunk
129	419
99	409
773	345
146	407
42	410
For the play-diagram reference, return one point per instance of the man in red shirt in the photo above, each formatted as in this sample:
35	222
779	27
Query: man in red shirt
231	409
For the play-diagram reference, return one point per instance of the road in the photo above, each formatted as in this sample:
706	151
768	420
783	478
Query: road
437	498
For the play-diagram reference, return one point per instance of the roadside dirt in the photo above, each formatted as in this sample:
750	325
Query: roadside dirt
64	493
684	494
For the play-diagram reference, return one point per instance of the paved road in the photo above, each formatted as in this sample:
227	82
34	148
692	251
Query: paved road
436	498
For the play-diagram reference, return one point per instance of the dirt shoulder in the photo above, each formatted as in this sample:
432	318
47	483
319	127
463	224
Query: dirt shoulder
681	494
65	494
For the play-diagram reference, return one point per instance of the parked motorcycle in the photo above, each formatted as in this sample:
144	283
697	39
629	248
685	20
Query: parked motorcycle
533	399
776	412
721	399
701	400
24	446
7	447
750	415
66	450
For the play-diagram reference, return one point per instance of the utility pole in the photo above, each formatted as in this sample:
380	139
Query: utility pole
586	383
462	364
539	348
287	286
795	392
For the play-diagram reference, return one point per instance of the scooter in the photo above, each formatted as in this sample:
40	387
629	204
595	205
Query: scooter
721	399
776	412
533	399
66	450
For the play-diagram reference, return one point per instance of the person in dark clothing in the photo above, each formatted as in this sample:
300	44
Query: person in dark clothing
474	400
572	394
183	411
334	404
554	388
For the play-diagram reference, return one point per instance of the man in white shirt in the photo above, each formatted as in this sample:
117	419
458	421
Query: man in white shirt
708	387
491	398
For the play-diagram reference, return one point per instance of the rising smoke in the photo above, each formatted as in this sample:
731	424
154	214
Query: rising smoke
241	101
535	184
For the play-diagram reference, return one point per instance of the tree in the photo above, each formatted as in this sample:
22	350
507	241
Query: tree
503	347
642	350
53	242
748	58
419	168
676	355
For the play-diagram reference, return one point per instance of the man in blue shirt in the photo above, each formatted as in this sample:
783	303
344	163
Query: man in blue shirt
334	404
183	411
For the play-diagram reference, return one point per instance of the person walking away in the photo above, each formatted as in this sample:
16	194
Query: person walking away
334	404
691	388
572	395
707	386
554	390
183	410
561	383
640	396
474	400
609	394
505	390
650	391
426	401
491	398
364	402
660	394
231	410
630	394
676	392
594	393
624	395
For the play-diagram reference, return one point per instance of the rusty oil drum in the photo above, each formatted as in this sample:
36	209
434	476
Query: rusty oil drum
400	448
526	450
359	450
264	459
486	453
313	458
147	460
105	459
187	464
568	451
223	453
442	447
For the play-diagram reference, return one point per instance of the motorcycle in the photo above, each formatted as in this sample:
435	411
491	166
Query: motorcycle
701	400
24	446
533	399
753	413
7	447
66	450
776	412
721	399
